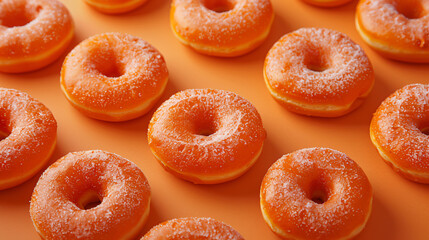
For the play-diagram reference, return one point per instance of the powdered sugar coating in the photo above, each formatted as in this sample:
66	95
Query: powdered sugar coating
247	21
48	32
346	76
141	73
236	132
31	132
120	184
287	190
192	228
397	128
383	22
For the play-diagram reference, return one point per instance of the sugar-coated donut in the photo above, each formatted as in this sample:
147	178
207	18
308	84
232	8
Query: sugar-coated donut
224	28
192	228
115	6
206	136
114	77
317	194
30	132
327	3
397	29
33	33
399	132
61	203
318	72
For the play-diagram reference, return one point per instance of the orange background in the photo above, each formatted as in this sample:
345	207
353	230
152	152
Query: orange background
400	210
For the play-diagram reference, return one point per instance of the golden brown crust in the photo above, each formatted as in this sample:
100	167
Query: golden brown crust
237	31
114	76
57	208
206	136
316	193
31	132
33	33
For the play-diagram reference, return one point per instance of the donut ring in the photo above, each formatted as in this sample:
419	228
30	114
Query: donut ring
395	29
316	193
114	77
206	136
327	3
33	34
192	228
224	28
59	204
30	132
115	6
318	72
398	132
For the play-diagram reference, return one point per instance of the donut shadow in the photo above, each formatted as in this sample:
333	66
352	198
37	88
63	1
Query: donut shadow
154	219
380	224
146	8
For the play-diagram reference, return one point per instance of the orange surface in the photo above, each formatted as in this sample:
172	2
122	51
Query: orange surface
400	209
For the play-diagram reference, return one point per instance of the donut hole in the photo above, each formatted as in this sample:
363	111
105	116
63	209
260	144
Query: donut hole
411	9
219	6
316	61
425	130
90	199
4	134
4	125
205	127
19	16
318	192
107	64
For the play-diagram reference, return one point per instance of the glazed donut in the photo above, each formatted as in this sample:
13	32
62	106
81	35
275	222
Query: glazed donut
115	6
224	28
206	136
192	228
114	77
29	133
316	193
327	3
318	72
64	201
33	34
399	132
397	29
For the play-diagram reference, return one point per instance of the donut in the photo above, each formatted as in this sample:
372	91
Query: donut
206	136
327	3
33	34
223	28
316	193
114	77
115	6
318	72
399	132
395	29
90	195
192	228
28	133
